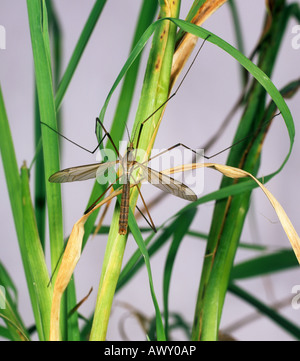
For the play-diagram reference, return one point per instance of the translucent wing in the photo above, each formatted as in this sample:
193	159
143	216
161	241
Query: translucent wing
80	173
168	184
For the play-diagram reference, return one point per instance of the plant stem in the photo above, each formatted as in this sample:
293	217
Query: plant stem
36	259
155	91
79	49
229	214
38	22
13	182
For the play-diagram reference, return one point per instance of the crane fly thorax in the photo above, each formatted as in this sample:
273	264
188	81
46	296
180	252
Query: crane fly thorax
128	161
129	158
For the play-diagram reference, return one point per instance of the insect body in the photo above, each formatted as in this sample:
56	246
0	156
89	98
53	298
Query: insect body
129	166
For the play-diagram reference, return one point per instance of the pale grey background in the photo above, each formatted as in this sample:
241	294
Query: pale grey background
202	103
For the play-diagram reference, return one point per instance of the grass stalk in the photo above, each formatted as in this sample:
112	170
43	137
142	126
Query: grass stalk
38	22
233	197
155	91
13	182
229	215
36	258
272	314
78	51
146	16
39	179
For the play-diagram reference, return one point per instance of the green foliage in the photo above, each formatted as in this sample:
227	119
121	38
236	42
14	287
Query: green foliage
219	274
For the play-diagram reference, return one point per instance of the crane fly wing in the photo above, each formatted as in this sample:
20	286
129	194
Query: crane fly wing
80	173
168	184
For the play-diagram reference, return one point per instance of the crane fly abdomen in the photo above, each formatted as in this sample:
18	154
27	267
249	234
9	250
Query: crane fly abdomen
124	208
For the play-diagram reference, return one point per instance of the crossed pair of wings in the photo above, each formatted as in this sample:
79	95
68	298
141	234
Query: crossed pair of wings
163	182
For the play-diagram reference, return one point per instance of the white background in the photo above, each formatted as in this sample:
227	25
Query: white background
202	103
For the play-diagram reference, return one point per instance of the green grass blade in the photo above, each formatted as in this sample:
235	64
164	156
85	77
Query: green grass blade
36	258
134	264
11	169
56	41
265	264
192	12
73	326
257	73
272	314
15	329
288	91
229	215
294	9
78	51
239	36
39	179
155	87
13	182
43	73
4	332
160	333
184	223
146	17
265	81
37	14
261	77
136	261
237	26
113	261
249	246
6	280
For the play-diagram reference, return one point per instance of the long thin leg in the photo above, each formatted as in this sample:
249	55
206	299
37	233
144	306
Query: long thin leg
151	223
97	200
173	147
99	225
171	96
146	208
214	155
108	135
57	263
80	146
71	141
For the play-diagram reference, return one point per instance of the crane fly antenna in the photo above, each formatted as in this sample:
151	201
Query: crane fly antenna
127	131
171	96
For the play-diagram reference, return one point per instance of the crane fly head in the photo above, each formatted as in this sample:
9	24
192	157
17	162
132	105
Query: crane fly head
131	153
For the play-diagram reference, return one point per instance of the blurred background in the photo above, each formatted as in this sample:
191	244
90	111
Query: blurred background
204	100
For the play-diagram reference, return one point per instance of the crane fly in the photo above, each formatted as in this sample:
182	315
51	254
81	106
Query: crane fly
129	166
